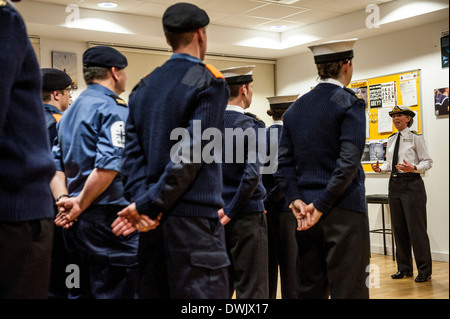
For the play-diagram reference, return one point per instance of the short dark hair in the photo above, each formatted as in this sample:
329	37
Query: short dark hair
92	73
235	89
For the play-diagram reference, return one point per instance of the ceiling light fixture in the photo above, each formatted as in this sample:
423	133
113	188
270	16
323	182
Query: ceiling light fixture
278	27
107	5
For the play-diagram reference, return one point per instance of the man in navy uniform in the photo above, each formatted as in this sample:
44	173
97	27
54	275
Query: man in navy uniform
243	193
280	220
322	178
186	257
26	204
88	154
56	94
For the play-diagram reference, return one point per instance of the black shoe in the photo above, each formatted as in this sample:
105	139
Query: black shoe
422	278
401	275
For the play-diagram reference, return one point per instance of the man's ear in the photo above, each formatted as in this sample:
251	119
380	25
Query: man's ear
114	73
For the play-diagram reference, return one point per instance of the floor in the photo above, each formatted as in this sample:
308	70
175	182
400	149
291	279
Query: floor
383	287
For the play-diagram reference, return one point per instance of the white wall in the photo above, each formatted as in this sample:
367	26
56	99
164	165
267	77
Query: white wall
416	48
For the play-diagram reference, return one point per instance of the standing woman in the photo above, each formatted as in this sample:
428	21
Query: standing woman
407	158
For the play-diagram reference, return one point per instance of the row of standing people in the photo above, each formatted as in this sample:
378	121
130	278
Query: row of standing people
106	162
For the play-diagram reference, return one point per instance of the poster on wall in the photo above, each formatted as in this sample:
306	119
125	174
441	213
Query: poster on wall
375	96
445	51
441	101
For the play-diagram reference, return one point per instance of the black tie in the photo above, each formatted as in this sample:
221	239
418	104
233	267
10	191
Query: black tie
395	157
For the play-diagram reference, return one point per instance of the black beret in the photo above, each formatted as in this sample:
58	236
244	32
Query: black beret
103	56
54	79
184	17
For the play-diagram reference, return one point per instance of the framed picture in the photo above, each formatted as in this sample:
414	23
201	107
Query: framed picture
66	62
445	51
441	102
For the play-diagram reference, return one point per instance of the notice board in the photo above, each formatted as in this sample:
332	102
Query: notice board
382	94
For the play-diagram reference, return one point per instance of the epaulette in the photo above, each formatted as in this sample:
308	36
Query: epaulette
392	135
215	71
254	116
118	100
416	133
353	93
3	3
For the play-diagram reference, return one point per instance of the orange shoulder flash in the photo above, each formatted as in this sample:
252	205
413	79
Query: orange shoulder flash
57	117
215	71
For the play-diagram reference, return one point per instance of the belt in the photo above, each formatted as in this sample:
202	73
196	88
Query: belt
406	175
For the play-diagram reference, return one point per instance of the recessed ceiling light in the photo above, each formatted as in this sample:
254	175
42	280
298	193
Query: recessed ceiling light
278	27
107	5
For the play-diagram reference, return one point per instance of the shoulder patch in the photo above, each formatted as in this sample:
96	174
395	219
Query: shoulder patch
197	76
215	71
118	100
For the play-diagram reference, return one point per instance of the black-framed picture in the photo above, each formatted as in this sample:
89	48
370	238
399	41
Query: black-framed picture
445	51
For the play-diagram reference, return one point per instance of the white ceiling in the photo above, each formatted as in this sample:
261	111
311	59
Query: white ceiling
238	27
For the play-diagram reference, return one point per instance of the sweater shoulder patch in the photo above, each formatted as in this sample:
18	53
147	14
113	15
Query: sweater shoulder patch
197	76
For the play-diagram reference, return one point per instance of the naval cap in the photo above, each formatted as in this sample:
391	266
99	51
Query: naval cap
333	51
402	110
54	79
281	102
239	75
184	17
105	57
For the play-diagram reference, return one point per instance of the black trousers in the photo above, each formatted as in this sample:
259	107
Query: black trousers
184	258
408	205
247	247
333	257
25	250
282	227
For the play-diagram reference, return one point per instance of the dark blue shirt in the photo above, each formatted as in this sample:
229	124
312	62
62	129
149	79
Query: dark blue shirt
176	96
26	164
243	191
321	148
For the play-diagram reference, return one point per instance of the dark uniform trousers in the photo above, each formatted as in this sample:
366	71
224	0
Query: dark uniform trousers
407	202
247	246
184	258
25	250
107	263
333	257
281	226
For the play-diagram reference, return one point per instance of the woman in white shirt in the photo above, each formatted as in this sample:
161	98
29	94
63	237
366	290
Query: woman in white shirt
407	157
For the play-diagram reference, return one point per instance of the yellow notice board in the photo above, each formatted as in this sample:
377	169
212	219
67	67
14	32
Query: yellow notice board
382	94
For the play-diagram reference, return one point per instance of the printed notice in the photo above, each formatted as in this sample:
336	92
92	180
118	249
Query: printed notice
409	92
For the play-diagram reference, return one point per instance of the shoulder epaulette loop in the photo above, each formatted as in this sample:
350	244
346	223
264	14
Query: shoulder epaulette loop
118	100
254	116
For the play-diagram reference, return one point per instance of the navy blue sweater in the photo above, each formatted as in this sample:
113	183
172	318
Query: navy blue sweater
243	190
321	148
26	163
171	98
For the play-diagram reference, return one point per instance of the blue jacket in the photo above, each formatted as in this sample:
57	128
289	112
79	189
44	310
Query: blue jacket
91	134
26	164
243	191
175	96
321	148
